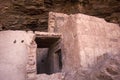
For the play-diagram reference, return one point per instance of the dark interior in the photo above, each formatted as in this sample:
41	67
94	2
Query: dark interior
45	42
44	56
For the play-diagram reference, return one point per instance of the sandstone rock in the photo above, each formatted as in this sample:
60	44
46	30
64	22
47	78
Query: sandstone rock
38	9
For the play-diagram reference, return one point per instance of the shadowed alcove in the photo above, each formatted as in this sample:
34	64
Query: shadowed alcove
49	59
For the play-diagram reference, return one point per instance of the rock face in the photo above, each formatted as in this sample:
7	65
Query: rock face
33	14
107	68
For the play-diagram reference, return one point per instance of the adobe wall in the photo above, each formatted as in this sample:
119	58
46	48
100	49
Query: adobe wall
96	38
91	46
18	51
14	50
65	24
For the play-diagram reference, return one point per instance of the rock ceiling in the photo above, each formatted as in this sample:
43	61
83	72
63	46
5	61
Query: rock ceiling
33	14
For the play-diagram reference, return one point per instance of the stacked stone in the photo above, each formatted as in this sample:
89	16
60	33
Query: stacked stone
31	65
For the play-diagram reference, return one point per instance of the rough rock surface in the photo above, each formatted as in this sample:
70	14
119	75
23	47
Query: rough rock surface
33	14
107	68
56	76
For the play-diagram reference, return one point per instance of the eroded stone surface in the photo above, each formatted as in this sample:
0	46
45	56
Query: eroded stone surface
57	76
23	14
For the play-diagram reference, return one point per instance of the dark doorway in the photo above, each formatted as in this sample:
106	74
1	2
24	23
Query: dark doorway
44	54
42	65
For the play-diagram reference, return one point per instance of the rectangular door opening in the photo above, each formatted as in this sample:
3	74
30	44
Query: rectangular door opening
48	60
